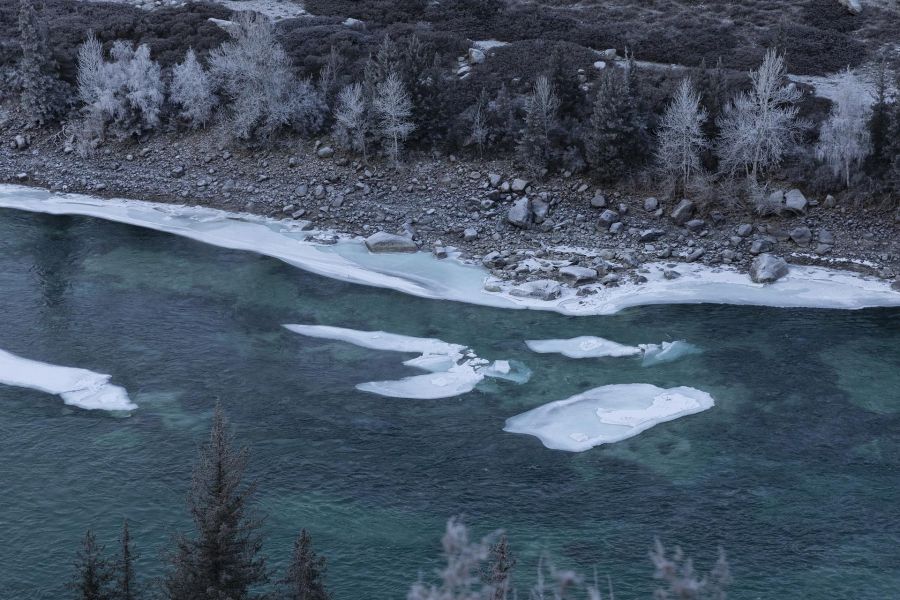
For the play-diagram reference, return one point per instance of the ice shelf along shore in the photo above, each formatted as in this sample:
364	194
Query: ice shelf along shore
452	369
77	387
420	274
607	414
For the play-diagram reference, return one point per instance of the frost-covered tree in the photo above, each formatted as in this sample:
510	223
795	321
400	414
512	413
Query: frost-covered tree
459	579
93	574
125	95
682	583
305	578
680	135
192	91
760	126
541	108
351	119
393	109
222	561
844	140
43	95
478	122
328	76
254	72
614	139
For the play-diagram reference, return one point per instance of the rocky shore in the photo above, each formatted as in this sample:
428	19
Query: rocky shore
560	228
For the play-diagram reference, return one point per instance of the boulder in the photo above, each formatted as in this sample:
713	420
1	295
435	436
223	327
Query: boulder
520	213
476	56
519	185
470	234
494	179
801	236
695	225
388	242
651	204
651	235
826	237
767	268
576	275
762	246
325	152
616	228
607	218
492	260
744	230
542	289
598	201
539	209
682	212
795	202
671	274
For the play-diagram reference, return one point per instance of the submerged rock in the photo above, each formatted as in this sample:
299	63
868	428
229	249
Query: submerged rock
767	268
388	242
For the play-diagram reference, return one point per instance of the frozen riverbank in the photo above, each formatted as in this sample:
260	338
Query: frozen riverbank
422	275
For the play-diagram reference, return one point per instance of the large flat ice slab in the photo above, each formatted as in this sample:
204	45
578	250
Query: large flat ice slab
76	387
453	369
607	414
584	346
420	274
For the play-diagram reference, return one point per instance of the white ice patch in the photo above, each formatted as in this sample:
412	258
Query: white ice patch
453	369
420	274
76	387
582	347
655	354
607	414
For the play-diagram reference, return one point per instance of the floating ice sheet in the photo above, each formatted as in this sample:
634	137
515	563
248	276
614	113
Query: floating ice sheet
422	275
76	387
655	354
585	346
453	369
607	414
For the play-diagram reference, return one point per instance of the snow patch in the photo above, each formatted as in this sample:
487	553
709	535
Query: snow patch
607	414
76	387
453	369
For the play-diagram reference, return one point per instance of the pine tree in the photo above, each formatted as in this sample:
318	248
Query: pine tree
613	140
223	560
43	95
501	564
126	585
879	123
305	578
93	574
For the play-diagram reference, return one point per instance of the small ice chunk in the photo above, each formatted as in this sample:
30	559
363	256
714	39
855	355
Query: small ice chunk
582	347
76	387
510	370
607	414
655	354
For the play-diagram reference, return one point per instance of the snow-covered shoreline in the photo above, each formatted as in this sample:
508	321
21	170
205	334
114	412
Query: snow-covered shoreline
422	275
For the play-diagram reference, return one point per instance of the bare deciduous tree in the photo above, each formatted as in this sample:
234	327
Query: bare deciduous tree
479	123
540	117
351	119
760	126
192	91
844	141
682	582
459	580
681	135
394	109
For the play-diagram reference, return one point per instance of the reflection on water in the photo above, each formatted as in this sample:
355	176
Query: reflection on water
794	471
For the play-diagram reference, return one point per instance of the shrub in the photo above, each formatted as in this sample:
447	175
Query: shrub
192	91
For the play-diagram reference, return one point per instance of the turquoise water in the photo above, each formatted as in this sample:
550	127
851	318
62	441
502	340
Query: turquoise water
795	471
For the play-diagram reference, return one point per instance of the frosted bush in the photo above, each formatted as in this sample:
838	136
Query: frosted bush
192	91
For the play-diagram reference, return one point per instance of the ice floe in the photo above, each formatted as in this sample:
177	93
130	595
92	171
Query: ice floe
420	274
584	346
607	414
453	369
655	354
76	387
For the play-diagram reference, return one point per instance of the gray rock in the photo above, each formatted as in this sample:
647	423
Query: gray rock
542	289
744	230
388	242
651	204
801	236
539	209
825	237
470	234
520	213
795	202
611	279
607	218
671	274
682	212
695	225
519	185
177	171
494	179
762	245
576	275
821	249
439	252
325	152
20	142
616	228
829	201
767	268
651	235
695	255
598	201
492	260
476	56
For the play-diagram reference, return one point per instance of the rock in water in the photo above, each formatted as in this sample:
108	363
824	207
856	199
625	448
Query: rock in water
520	213
767	268
388	242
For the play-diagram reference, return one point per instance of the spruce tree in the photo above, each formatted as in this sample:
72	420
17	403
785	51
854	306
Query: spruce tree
305	578
126	586
93	573
613	140
43	95
502	562
222	561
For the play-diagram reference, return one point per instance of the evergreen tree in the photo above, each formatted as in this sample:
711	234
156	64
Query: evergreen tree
93	574
43	95
223	560
501	565
126	586
879	124
613	140
305	578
